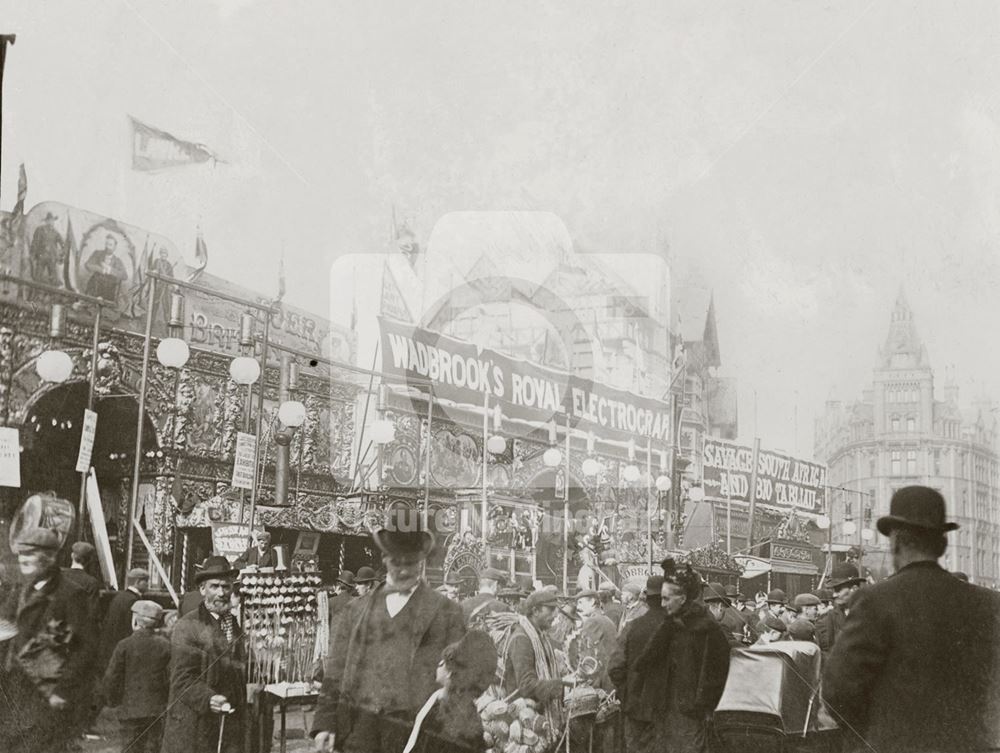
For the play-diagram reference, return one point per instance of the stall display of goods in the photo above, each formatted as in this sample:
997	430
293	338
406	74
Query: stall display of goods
280	623
516	727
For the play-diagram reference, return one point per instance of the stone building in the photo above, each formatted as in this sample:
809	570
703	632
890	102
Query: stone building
900	433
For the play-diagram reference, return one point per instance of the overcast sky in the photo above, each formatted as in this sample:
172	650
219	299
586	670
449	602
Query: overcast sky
804	159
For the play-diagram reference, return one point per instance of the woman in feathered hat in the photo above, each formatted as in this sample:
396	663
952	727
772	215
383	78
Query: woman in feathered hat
685	664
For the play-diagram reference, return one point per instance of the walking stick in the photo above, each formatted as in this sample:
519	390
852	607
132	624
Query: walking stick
222	729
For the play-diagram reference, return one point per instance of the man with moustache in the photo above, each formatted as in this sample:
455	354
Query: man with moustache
206	670
43	701
384	657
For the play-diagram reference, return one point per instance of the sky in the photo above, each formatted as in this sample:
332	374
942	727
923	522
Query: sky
803	160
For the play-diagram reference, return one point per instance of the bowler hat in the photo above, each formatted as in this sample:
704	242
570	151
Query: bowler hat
916	507
37	539
733	594
654	585
365	575
543	598
824	594
346	578
606	587
214	567
844	574
715	592
776	596
453	579
147	608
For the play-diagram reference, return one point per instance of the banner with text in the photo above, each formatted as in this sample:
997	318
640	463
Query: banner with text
463	373
782	481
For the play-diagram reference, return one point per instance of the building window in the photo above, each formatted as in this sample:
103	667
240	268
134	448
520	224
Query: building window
897	462
911	462
871	465
937	462
911	424
895	423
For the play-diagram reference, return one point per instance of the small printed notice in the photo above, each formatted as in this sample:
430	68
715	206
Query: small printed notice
245	463
10	457
86	441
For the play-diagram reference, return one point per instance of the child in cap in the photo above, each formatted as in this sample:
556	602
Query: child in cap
137	680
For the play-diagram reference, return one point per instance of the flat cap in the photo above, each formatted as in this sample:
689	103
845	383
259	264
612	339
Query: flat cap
138	573
801	630
543	598
31	539
147	608
773	623
587	593
806	600
633	588
492	573
607	587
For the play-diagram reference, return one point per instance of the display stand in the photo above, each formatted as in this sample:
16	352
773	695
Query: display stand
290	694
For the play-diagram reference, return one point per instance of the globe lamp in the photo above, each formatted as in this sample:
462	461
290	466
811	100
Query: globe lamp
54	366
173	352
244	370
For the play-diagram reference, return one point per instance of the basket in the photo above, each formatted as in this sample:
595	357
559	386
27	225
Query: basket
582	701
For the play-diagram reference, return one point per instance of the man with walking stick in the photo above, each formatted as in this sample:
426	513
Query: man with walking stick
206	708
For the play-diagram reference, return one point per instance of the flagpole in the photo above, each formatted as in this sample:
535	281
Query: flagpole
5	39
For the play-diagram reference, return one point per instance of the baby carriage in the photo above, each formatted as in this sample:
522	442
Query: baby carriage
771	703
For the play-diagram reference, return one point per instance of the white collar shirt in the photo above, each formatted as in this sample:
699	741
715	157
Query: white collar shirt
395	601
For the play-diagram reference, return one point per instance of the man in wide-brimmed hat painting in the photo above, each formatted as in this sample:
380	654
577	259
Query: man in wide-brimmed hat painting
917	664
206	677
384	657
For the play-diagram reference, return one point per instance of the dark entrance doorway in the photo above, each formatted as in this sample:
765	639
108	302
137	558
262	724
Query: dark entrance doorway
50	437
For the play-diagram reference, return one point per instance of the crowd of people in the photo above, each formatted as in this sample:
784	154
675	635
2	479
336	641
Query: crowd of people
908	664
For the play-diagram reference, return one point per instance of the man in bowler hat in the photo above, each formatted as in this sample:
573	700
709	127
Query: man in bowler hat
844	583
384	657
916	666
206	670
